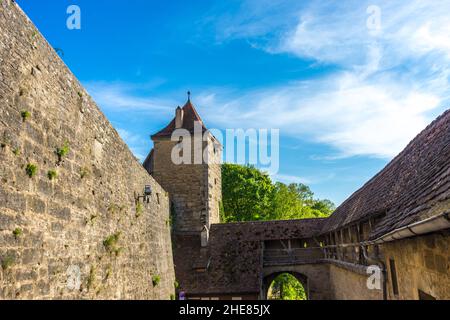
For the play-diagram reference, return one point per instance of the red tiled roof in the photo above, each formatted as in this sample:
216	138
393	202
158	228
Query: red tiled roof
190	116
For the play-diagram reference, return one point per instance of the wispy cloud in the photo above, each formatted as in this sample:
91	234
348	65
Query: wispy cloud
288	179
285	178
374	117
135	142
129	103
122	97
413	33
251	19
388	86
336	31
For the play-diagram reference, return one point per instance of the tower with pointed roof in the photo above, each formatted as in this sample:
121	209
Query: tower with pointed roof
194	188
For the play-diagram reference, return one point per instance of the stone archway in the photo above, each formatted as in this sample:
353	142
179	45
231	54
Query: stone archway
314	278
269	279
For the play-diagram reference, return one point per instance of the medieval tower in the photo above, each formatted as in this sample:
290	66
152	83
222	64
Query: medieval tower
194	183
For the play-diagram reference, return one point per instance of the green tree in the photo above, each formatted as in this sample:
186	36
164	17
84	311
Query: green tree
286	287
326	207
285	203
296	201
247	193
250	195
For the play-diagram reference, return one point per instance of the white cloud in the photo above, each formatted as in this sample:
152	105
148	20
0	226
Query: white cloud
389	86
135	143
414	38
251	18
288	179
121	97
376	117
129	137
337	31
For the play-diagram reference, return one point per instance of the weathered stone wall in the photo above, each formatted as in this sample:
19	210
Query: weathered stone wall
347	284
195	189
86	217
421	263
187	185
214	180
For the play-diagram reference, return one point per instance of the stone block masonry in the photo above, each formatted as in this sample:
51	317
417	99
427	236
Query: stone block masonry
70	227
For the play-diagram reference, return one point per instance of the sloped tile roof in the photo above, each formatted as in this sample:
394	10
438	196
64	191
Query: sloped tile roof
417	179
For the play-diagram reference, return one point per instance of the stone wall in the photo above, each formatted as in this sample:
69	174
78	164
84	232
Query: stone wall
195	189
72	214
421	263
347	284
187	185
214	180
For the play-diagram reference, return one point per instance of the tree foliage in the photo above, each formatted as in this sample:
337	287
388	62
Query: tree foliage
247	193
286	287
250	195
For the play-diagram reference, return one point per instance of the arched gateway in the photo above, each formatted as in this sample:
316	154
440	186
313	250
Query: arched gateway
269	282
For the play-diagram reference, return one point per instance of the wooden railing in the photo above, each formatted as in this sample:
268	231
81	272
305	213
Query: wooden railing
273	257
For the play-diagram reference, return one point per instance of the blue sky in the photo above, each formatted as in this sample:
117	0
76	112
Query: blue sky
348	83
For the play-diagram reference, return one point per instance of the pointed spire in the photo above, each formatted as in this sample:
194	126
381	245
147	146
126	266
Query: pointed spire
189	96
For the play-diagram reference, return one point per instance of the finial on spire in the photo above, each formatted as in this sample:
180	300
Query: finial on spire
189	95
